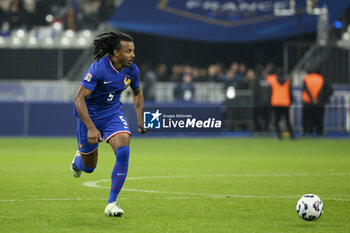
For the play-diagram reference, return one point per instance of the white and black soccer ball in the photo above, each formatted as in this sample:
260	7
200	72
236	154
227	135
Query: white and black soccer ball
310	207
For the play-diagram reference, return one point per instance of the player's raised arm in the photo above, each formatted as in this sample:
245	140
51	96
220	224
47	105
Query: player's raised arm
139	104
94	136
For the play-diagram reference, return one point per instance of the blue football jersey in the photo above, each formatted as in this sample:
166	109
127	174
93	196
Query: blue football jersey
106	84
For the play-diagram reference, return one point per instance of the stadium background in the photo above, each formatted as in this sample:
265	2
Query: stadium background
46	48
236	180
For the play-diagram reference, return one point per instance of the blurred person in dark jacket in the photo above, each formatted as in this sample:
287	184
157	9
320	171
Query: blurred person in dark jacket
162	73
149	80
214	73
16	15
261	101
176	73
184	91
230	76
2	17
248	79
35	14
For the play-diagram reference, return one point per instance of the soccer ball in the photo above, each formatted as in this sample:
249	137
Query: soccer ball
310	207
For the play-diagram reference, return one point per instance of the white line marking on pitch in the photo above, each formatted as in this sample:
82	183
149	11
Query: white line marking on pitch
95	184
166	198
99	199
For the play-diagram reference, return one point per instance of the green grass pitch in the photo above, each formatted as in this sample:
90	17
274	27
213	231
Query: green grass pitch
177	185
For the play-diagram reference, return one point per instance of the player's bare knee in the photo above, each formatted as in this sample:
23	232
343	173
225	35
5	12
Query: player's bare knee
90	161
122	139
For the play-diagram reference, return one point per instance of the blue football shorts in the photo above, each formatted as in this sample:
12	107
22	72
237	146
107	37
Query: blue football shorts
108	127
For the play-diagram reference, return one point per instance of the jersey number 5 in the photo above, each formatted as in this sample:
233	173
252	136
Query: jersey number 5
111	96
124	121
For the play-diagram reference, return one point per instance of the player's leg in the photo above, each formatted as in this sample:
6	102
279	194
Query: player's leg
117	134
85	158
120	144
84	162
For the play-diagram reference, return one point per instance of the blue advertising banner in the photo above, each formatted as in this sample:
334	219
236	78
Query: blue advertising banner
224	20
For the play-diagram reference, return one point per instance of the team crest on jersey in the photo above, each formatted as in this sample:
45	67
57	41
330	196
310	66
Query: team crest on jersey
126	81
88	77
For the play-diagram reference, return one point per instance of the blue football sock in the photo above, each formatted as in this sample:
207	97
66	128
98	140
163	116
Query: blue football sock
78	164
119	172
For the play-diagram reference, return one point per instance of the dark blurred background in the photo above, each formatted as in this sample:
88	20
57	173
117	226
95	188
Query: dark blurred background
188	52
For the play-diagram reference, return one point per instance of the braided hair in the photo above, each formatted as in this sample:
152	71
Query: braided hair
106	43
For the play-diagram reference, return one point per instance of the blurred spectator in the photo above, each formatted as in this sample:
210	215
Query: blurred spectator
248	79
202	74
149	81
74	14
187	69
242	69
2	15
4	25
34	16
162	73
195	73
59	10
198	74
69	21
214	73
240	74
106	9
16	15
176	72
89	17
230	75
238	77
2	21
233	77
268	69
261	101
184	91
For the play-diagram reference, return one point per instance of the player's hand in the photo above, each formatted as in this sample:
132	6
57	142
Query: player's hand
94	136
141	129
